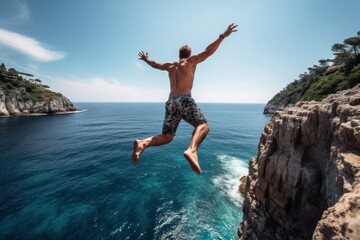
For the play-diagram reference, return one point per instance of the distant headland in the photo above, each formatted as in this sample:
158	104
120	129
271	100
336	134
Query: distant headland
22	94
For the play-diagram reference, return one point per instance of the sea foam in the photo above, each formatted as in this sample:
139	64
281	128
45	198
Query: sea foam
228	180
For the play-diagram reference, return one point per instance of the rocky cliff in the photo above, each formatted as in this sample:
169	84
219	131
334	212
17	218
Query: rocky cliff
272	108
14	104
305	181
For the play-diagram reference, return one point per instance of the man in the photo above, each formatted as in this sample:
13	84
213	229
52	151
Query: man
180	104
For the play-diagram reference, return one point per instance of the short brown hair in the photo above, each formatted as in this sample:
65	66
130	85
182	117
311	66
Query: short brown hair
184	52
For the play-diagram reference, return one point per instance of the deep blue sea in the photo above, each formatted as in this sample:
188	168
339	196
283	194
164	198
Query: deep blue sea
71	176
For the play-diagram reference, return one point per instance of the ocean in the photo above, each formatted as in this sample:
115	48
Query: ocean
70	176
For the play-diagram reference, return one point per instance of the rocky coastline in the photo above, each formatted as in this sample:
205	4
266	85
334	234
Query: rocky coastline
305	181
14	105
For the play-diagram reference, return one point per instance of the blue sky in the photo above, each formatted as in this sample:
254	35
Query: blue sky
87	49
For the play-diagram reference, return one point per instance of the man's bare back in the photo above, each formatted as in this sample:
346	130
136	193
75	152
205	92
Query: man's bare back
181	75
180	104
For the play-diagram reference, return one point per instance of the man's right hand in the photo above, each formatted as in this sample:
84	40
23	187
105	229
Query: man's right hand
143	56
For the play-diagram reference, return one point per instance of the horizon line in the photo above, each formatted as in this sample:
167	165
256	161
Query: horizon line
164	102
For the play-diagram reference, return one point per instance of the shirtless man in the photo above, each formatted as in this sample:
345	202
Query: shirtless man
180	104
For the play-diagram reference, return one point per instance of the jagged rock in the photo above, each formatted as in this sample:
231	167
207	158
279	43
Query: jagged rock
3	109
12	104
305	181
342	221
272	108
242	185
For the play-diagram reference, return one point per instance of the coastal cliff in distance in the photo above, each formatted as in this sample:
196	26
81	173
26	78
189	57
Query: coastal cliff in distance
22	95
13	105
305	181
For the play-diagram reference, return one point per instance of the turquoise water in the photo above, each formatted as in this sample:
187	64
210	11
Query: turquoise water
71	176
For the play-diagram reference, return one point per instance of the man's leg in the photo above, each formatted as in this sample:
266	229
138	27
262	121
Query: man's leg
140	145
190	154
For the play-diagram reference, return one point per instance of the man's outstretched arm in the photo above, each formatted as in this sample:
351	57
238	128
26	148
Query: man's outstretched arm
161	66
213	46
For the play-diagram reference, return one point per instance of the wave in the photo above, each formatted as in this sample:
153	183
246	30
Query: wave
69	112
228	181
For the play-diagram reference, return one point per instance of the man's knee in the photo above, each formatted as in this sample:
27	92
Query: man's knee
168	137
207	128
204	127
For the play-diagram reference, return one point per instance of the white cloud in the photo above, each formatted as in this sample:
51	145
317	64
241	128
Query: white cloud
99	89
28	46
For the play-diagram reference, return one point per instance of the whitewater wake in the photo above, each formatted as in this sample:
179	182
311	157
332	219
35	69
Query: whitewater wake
228	181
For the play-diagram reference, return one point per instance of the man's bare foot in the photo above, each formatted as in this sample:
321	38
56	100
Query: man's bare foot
192	158
138	149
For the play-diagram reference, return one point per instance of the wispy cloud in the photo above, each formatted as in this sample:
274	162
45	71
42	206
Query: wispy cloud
23	11
14	12
138	66
28	46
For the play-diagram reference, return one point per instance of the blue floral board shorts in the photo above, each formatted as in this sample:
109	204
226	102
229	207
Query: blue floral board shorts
180	107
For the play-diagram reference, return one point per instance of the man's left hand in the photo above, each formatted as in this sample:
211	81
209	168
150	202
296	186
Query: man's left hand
231	28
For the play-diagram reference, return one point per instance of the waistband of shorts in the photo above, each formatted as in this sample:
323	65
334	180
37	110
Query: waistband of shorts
179	96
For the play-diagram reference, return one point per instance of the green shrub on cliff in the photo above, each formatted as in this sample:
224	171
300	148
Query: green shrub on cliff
8	86
332	83
11	82
323	80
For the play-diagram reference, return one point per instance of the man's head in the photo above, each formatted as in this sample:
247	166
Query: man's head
184	52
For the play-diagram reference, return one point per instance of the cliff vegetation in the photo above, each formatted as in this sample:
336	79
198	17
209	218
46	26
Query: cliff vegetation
14	82
330	76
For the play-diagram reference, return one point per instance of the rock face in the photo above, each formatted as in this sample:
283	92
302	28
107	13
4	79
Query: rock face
242	185
305	181
272	108
13	105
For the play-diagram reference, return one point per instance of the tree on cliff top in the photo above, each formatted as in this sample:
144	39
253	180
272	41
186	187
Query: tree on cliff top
354	42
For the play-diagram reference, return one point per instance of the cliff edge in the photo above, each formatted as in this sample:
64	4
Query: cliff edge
305	181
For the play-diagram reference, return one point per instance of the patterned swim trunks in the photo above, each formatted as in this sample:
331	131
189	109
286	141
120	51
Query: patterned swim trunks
180	107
